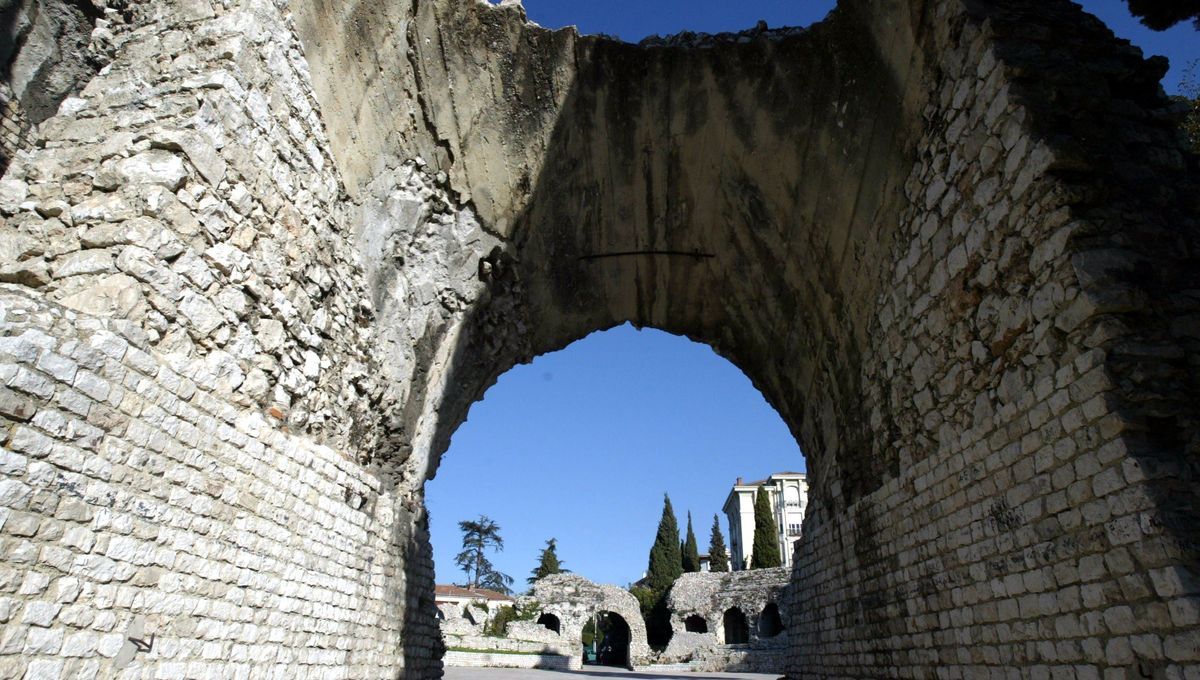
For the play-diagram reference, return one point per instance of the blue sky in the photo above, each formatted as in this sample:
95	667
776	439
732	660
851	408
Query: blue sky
633	20
581	444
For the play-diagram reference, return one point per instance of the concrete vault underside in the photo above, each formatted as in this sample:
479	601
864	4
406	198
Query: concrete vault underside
257	268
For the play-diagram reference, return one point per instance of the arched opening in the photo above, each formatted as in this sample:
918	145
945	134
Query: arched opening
550	622
695	624
769	622
737	630
612	399
605	639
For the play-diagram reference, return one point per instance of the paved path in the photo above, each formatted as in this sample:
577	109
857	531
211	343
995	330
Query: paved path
591	673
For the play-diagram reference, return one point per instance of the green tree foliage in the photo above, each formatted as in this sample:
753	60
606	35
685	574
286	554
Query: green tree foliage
1190	98
691	552
766	534
548	562
498	625
1163	14
666	562
718	559
479	536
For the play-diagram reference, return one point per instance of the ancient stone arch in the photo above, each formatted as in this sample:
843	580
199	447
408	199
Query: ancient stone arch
259	267
735	626
550	622
768	622
574	600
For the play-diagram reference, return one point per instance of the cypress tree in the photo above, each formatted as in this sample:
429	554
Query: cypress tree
718	559
547	562
691	553
766	534
666	562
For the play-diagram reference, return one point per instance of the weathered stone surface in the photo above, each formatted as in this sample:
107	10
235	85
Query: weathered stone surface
952	243
710	596
150	167
575	600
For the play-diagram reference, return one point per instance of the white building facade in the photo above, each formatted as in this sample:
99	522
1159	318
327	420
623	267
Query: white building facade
788	494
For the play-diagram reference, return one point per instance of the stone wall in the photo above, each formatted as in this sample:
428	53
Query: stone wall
217	489
138	502
951	242
1024	523
575	600
49	49
541	661
14	126
709	595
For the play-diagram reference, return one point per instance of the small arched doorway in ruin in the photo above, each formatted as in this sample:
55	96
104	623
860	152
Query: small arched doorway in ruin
770	623
550	622
695	624
737	629
606	640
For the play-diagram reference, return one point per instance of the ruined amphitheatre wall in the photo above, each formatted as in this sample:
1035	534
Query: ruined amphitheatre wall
306	236
186	378
948	241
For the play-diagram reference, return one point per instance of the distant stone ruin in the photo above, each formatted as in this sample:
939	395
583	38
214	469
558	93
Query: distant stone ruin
730	621
265	254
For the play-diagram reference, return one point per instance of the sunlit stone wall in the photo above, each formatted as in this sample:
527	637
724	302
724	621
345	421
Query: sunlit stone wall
257	269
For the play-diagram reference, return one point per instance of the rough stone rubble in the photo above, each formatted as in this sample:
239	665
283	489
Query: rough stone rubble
255	271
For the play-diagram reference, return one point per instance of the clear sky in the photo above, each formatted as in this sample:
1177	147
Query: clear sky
633	20
581	444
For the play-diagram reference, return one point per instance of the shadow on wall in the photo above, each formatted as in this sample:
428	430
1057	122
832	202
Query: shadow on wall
667	198
44	51
717	194
637	217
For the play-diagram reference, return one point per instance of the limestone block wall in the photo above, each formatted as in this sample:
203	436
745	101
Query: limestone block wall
216	490
1022	524
914	241
512	642
14	126
540	661
140	505
952	242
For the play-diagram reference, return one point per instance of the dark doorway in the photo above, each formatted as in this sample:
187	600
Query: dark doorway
737	630
606	640
769	622
550	621
695	624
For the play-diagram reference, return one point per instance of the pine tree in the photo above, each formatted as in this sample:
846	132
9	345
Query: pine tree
718	559
547	562
666	562
479	536
691	553
766	534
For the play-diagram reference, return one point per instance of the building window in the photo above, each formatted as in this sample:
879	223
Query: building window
791	496
793	530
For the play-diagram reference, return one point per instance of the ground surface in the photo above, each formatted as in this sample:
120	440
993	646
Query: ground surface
455	673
